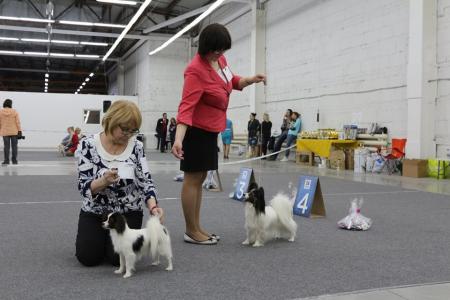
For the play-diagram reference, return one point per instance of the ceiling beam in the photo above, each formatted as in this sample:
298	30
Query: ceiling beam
188	15
44	71
35	9
59	57
169	8
75	32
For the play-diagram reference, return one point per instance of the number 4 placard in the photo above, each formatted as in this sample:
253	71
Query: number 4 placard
245	178
309	199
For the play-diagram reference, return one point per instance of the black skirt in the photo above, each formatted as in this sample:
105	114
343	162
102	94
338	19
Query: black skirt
200	150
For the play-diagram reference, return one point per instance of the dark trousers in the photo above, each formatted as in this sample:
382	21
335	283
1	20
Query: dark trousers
279	142
10	141
93	244
289	141
264	143
162	142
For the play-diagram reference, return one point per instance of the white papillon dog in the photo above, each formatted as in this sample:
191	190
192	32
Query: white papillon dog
264	223
132	244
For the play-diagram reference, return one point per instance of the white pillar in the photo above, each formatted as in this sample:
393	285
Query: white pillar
421	93
257	95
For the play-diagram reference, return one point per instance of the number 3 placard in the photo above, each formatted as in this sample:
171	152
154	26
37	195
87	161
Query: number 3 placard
309	199
245	177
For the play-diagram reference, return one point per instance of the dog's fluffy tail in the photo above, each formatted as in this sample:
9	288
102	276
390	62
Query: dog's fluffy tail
283	207
155	231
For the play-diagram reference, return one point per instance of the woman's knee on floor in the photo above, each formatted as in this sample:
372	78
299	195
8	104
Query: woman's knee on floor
89	258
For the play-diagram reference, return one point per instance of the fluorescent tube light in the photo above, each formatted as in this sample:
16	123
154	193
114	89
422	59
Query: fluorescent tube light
10	52
94	44
80	23
35	53
87	55
34	40
4	38
118	2
61	54
26	19
127	28
65	42
188	27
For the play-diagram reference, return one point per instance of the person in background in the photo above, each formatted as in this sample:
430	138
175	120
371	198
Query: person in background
208	82
227	136
74	142
254	129
266	132
285	125
10	130
172	131
66	142
292	133
101	158
161	131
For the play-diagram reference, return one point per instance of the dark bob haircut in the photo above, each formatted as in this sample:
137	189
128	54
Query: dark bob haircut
214	37
7	103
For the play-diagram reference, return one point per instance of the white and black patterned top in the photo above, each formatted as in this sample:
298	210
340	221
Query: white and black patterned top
134	187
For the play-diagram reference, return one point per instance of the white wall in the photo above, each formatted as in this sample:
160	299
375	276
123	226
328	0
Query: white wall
238	58
346	58
157	80
442	122
45	117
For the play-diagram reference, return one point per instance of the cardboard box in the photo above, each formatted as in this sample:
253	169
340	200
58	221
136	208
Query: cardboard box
349	159
415	168
337	159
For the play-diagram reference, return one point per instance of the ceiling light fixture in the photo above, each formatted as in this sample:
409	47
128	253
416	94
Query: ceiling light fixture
36	53
127	28
94	44
87	79
4	38
80	23
188	27
34	40
61	54
47	75
10	52
118	2
65	42
92	74
26	19
87	55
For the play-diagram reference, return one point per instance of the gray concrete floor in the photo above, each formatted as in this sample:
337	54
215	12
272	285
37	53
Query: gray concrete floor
42	163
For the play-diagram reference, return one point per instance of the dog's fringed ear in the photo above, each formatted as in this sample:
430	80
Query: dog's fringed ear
260	203
105	215
252	186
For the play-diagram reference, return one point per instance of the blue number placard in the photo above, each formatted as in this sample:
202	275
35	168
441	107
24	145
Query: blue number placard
245	177
309	198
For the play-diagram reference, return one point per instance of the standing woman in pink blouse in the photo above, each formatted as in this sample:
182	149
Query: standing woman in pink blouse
208	82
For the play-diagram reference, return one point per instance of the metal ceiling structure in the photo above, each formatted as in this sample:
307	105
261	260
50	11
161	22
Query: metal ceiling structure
42	36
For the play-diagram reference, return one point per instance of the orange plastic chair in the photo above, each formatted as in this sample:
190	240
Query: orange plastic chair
397	152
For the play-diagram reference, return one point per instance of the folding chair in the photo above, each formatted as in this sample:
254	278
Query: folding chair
397	153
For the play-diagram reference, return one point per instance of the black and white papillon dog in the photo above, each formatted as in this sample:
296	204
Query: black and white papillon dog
264	223
132	244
